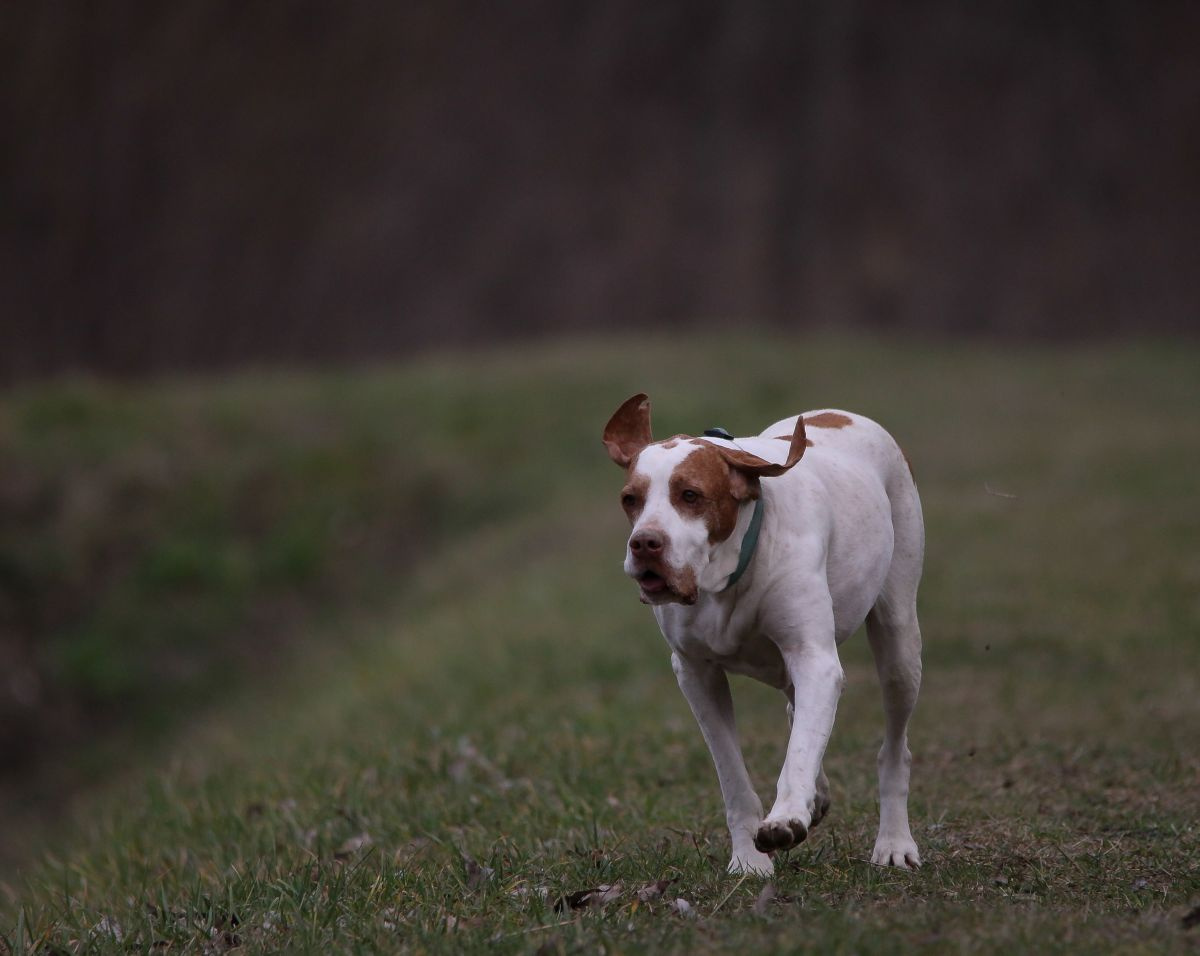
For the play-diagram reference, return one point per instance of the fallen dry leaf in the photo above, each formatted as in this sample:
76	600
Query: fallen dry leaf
523	891
765	897
462	922
477	874
582	899
411	850
468	757
352	846
109	927
652	891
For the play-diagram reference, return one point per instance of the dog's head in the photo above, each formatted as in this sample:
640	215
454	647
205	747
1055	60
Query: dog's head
683	497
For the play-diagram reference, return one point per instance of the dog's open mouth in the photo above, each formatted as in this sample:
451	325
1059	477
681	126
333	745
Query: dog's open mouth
652	582
656	590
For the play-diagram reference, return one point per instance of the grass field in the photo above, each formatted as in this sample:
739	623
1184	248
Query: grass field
482	724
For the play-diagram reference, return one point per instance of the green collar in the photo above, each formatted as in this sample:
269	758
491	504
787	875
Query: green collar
749	543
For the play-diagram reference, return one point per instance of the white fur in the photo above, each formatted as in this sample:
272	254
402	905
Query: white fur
842	541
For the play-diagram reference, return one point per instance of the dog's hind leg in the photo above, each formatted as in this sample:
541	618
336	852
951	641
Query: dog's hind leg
896	644
895	638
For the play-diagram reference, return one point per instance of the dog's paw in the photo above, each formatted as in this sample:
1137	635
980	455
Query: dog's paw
896	851
780	833
751	863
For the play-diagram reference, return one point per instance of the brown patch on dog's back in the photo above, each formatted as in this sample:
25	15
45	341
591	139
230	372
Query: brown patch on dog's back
807	441
829	420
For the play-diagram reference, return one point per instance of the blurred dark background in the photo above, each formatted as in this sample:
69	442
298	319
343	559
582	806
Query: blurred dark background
201	184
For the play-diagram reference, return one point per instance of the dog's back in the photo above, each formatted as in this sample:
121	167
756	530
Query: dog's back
833	433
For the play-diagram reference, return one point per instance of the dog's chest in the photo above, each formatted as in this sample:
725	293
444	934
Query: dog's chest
727	636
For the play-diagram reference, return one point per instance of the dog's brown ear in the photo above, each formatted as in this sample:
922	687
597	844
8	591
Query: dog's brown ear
628	431
754	467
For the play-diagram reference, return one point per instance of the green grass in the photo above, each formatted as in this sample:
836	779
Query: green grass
491	725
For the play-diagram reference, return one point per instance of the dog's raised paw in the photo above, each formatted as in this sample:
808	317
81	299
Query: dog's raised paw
780	834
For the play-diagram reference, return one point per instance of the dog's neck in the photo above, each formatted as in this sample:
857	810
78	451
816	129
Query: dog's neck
727	566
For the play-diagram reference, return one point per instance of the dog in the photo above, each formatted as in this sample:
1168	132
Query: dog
760	556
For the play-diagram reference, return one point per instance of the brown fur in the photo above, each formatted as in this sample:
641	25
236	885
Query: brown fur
707	473
637	487
628	431
829	420
684	584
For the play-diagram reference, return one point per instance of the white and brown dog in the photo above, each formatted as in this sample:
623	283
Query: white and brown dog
766	579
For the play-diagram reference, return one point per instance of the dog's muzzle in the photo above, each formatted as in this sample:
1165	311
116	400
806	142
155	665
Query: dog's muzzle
648	566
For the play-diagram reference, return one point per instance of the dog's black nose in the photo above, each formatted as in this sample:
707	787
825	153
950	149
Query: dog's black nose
647	542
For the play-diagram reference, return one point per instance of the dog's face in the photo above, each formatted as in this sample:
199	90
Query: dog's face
682	497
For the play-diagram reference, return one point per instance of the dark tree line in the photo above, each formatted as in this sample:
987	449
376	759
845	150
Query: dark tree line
206	182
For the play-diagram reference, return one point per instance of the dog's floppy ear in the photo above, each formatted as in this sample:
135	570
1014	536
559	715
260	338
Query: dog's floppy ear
628	431
749	468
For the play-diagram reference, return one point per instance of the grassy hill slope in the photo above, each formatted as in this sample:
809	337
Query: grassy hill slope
481	719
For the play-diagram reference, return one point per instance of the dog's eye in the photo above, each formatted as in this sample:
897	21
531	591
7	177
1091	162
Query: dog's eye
628	501
691	497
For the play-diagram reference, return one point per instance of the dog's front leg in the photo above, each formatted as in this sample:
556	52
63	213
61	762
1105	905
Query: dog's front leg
810	656
706	688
